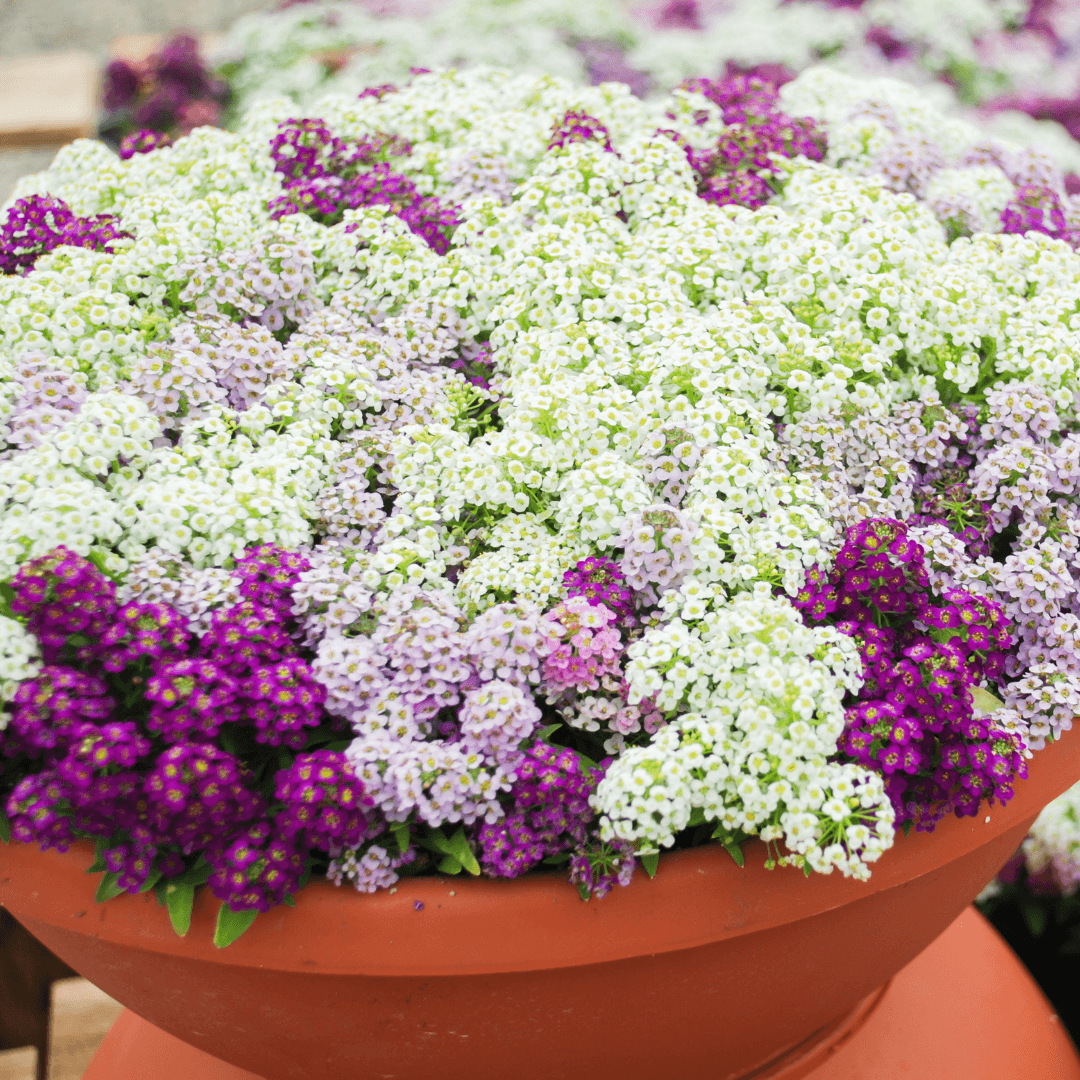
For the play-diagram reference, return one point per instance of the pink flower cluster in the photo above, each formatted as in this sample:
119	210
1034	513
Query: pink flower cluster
585	646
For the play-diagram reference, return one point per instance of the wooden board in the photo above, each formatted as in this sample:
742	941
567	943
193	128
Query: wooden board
81	1017
49	99
18	1064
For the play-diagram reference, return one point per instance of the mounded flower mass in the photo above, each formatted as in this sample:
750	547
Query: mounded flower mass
493	474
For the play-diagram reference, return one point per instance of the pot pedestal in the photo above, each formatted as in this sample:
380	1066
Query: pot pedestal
965	1008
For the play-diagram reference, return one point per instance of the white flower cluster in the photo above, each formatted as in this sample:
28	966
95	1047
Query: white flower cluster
1052	846
963	51
764	695
20	659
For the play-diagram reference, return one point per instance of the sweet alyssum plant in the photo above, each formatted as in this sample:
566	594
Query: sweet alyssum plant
493	474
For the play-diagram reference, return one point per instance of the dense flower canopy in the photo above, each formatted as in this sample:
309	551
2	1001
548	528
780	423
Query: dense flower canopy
494	472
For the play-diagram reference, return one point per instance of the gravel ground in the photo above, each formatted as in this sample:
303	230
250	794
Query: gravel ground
28	27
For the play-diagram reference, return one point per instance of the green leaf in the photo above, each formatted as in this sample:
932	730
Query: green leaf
985	704
179	899
231	925
98	866
460	850
583	890
401	835
557	860
907	828
546	733
735	852
7	594
5	828
289	901
436	841
108	888
449	865
650	862
151	881
730	842
697	817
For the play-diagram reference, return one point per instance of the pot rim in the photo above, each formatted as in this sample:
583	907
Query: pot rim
481	926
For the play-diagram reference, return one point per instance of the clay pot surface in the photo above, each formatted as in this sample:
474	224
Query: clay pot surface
743	968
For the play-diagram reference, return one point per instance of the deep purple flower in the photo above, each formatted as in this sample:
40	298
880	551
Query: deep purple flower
257	870
268	574
1037	208
191	699
121	85
47	710
198	796
40	223
324	803
282	700
153	630
577	126
601	581
549	814
922	655
142	142
597	869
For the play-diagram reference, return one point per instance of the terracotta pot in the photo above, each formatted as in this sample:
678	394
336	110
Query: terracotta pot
747	970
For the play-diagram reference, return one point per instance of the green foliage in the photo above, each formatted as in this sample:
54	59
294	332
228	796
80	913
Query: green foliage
231	925
180	898
456	851
108	887
731	840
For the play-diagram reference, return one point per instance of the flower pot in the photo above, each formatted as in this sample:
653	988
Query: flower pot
748	970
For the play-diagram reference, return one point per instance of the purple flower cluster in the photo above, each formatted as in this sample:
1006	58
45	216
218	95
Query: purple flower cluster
738	169
923	654
41	223
1037	208
602	583
169	93
324	176
324	803
47	710
159	791
549	815
198	795
62	597
576	127
258	870
142	141
599	869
